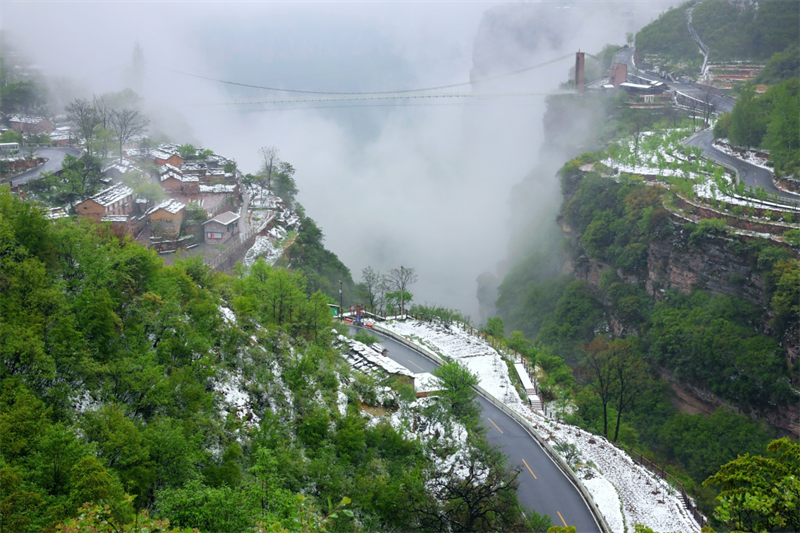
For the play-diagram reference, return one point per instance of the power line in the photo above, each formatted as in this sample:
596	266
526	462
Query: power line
402	91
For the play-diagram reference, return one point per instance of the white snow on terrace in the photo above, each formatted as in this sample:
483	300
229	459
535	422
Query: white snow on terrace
646	499
262	247
480	358
363	356
709	189
748	156
427	383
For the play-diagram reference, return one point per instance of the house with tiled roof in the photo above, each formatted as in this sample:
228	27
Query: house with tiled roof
162	157
24	124
115	200
176	182
221	228
117	168
165	219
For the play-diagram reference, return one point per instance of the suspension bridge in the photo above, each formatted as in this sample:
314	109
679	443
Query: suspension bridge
305	96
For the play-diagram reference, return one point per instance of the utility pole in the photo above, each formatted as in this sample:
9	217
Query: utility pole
402	307
341	305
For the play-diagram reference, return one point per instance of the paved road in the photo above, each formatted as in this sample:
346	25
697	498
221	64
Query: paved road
54	158
752	175
542	486
626	56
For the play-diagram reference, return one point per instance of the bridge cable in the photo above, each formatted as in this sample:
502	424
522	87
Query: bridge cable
402	91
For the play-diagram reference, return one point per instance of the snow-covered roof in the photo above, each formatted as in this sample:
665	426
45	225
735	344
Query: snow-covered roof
634	85
161	154
224	218
170	206
112	194
56	212
166	167
125	166
218	188
194	165
27	120
114	218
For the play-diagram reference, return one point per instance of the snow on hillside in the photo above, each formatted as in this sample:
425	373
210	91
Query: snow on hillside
625	492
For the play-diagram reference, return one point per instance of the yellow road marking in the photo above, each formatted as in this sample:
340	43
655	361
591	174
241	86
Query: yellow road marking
562	519
529	470
495	425
416	365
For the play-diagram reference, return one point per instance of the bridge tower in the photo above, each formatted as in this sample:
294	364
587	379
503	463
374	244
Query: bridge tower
579	79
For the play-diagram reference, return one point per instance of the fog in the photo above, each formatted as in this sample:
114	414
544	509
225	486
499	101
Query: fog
422	182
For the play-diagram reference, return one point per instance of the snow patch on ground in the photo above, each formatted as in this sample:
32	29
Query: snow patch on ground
262	247
235	399
605	496
748	156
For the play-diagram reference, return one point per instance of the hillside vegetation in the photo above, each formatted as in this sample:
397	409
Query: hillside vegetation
220	403
602	298
742	31
770	120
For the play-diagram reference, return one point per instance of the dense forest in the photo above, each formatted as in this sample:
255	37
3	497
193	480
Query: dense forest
132	393
743	31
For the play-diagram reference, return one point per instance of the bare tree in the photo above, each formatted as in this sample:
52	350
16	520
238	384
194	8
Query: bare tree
269	159
370	285
84	118
707	97
399	280
694	105
103	109
127	123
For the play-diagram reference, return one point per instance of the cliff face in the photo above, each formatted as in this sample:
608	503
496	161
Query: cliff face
716	267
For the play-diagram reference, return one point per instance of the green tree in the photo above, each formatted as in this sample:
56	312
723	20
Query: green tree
187	151
284	184
783	132
495	327
459	393
760	493
746	126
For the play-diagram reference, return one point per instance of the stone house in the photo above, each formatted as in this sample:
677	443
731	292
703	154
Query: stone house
221	228
160	157
23	124
115	200
175	182
165	219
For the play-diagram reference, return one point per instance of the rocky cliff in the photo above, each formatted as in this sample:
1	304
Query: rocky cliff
720	266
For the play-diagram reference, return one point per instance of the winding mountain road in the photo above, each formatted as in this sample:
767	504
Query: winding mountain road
542	485
752	175
54	156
